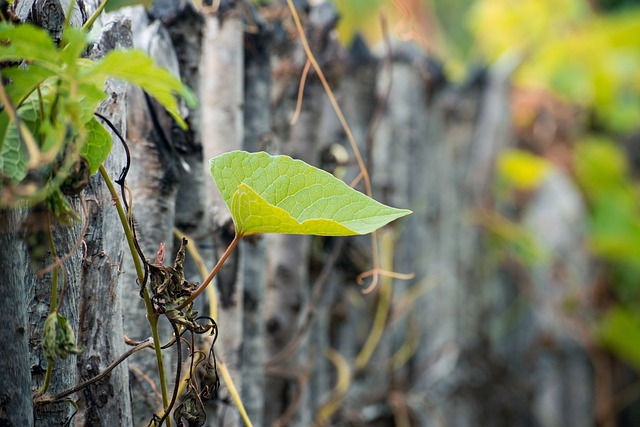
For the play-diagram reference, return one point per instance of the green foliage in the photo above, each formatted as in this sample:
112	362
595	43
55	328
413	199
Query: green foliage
522	169
13	160
509	237
98	145
589	59
614	222
619	331
277	194
357	16
55	93
137	68
601	168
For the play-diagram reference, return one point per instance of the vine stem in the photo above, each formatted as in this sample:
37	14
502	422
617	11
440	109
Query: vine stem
152	317
332	99
212	274
382	309
364	173
87	25
142	345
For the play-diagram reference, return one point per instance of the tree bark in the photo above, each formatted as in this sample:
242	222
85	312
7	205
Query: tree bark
560	374
101	331
222	95
39	294
257	137
16	405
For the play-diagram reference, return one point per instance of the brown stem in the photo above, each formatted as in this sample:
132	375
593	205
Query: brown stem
216	269
144	344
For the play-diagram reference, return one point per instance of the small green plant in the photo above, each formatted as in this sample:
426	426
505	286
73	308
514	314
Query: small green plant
49	135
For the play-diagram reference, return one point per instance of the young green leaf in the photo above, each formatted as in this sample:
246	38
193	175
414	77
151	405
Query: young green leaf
619	330
277	194
24	81
27	42
75	41
136	67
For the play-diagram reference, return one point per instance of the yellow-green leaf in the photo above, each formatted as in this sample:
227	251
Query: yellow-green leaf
277	194
620	332
134	66
522	169
28	42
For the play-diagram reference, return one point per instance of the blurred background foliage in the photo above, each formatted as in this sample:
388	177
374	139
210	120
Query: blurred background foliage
575	107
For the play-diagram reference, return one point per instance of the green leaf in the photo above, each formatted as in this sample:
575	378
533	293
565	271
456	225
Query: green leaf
136	67
24	81
75	41
119	4
60	207
13	160
620	332
600	167
522	169
98	145
89	97
277	194
27	42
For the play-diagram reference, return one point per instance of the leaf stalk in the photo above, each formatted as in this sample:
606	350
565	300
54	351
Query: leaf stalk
212	274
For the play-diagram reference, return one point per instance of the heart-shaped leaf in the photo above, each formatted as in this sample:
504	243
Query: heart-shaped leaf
277	194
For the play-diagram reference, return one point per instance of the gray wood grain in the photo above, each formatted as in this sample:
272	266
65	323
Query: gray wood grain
16	406
101	330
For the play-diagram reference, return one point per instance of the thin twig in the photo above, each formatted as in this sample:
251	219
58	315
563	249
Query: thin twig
343	381
332	98
301	378
345	126
125	170
303	80
382	309
226	376
152	385
98	377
